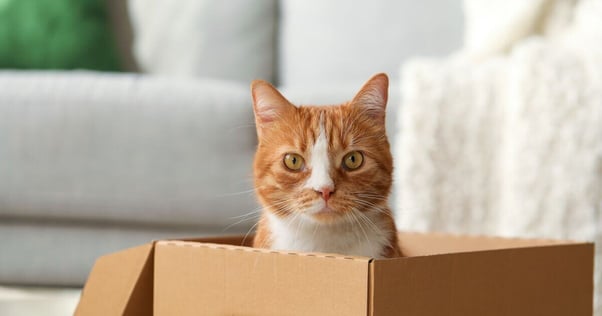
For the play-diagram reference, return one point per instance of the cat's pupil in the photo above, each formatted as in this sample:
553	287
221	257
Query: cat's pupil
294	160
352	158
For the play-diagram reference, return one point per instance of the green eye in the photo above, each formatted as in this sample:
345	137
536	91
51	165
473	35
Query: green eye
293	162
353	160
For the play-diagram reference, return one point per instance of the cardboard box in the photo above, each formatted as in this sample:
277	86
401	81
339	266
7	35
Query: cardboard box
442	275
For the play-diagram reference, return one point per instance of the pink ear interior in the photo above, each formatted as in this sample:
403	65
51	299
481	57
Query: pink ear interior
268	103
372	97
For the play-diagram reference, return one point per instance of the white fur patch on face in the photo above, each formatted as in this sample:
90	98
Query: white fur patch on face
320	163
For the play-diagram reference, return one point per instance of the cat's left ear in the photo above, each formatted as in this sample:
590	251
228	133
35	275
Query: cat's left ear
372	97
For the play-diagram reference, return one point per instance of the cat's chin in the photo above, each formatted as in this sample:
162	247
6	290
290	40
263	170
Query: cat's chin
326	215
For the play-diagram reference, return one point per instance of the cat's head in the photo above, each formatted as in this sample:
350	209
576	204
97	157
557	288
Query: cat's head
322	162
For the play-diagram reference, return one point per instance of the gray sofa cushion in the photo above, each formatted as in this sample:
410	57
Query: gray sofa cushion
46	253
126	148
346	41
232	39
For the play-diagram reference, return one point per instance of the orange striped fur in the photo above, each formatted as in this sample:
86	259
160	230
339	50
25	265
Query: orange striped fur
357	207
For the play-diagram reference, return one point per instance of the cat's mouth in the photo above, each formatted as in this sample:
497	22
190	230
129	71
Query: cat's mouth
324	213
325	210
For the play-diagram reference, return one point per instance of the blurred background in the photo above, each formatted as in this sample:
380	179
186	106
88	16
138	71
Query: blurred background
127	121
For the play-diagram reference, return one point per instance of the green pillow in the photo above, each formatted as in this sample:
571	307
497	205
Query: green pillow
56	34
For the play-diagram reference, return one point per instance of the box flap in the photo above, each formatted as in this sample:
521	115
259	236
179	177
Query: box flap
217	279
120	284
545	280
424	244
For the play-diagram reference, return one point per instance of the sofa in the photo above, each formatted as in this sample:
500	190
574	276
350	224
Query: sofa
92	162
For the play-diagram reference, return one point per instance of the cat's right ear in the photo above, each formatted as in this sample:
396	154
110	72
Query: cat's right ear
268	104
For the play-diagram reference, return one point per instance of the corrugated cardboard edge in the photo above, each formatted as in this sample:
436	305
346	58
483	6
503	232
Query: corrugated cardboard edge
120	283
210	243
236	240
370	281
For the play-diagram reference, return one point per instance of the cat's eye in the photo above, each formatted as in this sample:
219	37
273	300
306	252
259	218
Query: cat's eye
353	160
294	162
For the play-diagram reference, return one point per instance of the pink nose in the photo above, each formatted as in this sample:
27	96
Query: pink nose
326	192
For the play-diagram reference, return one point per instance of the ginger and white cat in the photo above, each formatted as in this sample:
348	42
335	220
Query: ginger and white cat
323	174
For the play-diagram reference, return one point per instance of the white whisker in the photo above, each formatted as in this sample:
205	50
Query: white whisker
249	231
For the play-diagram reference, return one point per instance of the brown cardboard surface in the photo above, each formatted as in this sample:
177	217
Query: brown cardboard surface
120	284
422	244
442	275
213	279
547	280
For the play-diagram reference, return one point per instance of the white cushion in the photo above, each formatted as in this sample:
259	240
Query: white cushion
346	41
495	26
205	38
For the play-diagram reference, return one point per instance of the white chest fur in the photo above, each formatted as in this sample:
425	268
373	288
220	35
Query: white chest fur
300	233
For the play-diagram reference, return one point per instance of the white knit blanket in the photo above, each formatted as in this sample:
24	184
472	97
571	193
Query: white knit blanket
506	138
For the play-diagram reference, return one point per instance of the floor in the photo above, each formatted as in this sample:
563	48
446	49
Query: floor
26	301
